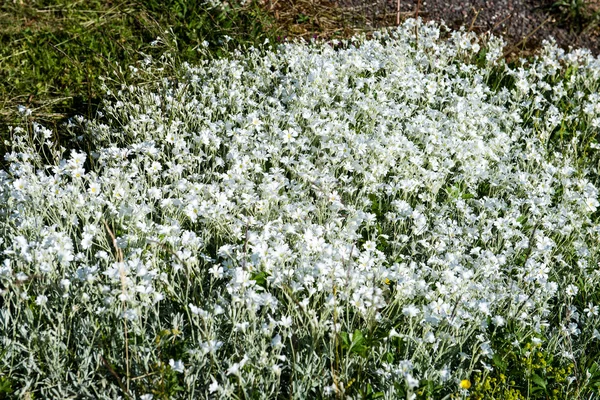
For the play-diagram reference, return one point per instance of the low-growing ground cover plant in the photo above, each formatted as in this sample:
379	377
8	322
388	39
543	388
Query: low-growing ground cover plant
404	216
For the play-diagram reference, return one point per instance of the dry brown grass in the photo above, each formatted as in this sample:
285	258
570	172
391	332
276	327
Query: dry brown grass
325	19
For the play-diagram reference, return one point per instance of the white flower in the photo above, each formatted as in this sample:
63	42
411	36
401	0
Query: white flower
486	349
157	297
194	310
571	290
276	368
592	204
572	329
24	110
87	240
256	122
155	193
94	188
211	346
217	271
370	246
234	369
289	135
429	337
393	333
130	314
276	342
330	389
411	381
77	159
419	222
41	300
484	307
445	373
214	386
77	173
545	244
155	167
19	184
176	366
591	310
5	268
410	311
65	284
286	322
21	276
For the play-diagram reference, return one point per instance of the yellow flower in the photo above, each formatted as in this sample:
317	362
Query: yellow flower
465	384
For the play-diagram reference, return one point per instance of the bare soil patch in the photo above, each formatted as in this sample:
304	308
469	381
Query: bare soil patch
524	24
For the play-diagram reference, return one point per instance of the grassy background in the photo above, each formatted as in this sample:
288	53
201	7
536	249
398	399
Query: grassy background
52	52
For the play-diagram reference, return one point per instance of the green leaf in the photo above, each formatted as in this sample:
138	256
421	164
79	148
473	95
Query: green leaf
389	357
345	339
356	344
5	386
358	340
595	370
499	362
260	278
538	380
453	191
357	337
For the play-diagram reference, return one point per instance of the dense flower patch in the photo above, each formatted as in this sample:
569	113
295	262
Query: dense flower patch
392	217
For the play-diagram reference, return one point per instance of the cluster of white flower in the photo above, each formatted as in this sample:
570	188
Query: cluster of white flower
223	4
277	222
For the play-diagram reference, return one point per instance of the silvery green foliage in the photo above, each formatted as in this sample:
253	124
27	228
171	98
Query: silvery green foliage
223	4
268	206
